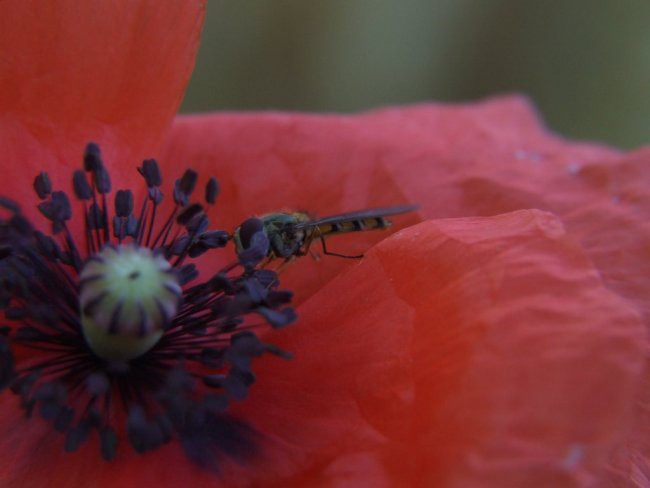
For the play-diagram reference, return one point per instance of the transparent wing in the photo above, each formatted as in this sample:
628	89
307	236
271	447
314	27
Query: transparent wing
371	213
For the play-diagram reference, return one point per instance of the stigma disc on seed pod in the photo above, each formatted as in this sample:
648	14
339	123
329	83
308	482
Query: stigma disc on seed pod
128	297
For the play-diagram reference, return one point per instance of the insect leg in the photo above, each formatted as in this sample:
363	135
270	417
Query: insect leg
267	260
285	263
325	251
309	238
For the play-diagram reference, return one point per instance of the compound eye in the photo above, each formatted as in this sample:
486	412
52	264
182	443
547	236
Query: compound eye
248	229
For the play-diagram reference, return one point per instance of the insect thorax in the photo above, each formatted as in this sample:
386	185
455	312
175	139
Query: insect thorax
284	238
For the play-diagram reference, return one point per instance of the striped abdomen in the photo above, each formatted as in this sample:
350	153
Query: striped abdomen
354	225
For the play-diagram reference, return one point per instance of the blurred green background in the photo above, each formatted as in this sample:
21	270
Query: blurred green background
586	64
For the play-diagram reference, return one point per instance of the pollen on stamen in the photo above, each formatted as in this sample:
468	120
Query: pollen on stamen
115	318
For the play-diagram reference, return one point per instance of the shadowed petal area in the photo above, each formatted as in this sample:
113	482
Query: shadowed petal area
33	457
72	72
462	352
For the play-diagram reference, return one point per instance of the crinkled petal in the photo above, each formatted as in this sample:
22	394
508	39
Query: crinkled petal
460	352
463	352
512	394
454	160
614	228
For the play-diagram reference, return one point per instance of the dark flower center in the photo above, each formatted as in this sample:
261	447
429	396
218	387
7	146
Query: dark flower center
110	324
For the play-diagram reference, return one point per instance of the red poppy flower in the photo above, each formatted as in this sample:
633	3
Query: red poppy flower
487	344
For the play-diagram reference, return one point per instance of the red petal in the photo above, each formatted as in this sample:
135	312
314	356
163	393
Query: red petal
469	352
466	352
454	160
73	72
478	159
614	228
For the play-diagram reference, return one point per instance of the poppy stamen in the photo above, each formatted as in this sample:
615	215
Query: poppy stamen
120	328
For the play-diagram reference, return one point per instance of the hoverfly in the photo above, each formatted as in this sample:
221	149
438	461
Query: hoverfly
291	234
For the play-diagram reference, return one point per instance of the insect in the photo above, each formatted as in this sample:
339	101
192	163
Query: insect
291	234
